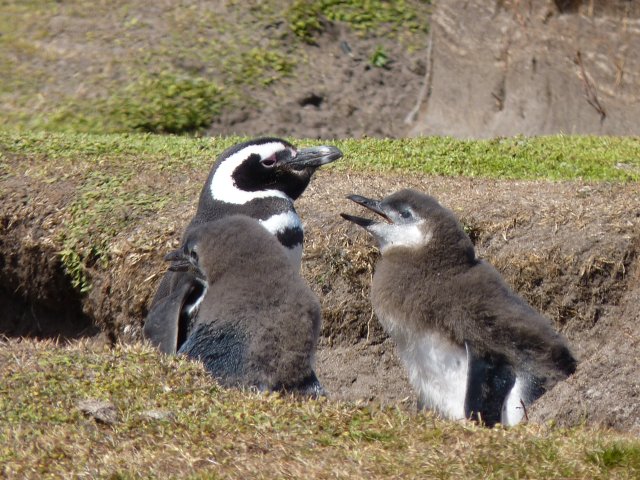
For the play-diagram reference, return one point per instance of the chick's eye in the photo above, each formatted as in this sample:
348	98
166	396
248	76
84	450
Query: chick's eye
194	255
405	213
270	161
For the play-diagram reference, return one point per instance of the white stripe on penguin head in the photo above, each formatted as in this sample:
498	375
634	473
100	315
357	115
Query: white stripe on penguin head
223	187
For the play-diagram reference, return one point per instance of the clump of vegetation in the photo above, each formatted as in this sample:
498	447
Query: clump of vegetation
259	66
617	455
167	103
379	59
305	16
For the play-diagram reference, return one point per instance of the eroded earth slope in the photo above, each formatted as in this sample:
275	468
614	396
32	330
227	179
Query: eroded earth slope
570	248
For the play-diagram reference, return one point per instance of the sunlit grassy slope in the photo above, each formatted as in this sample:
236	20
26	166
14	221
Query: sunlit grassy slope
167	418
560	157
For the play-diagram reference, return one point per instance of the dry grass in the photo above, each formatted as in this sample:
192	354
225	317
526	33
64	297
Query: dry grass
208	432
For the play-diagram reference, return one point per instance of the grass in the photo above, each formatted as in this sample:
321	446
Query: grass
166	103
559	157
305	17
205	431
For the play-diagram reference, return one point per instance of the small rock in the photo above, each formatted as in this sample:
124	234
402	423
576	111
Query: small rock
101	411
158	415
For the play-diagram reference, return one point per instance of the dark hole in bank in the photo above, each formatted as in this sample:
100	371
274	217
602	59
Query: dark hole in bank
46	307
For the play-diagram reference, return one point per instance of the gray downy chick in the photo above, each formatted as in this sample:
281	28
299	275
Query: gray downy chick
472	347
247	313
260	178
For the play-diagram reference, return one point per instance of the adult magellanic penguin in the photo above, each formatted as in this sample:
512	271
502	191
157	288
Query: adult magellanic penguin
246	311
473	348
260	178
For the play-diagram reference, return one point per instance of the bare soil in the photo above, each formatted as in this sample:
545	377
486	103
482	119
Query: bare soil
338	93
487	69
571	249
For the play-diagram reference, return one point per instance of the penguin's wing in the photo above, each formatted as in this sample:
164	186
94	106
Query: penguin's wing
165	288
168	320
495	319
489	381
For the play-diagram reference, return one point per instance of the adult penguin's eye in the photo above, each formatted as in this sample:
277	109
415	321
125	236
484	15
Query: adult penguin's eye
270	161
194	255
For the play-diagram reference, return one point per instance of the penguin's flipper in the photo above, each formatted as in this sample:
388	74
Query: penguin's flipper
489	381
167	322
166	286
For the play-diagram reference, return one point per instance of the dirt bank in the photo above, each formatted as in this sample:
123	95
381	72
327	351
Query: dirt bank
570	248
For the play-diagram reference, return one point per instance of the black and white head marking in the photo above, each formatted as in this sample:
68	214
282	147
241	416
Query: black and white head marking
266	168
224	183
262	178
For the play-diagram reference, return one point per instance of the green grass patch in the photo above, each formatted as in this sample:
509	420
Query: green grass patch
305	17
170	419
557	157
560	157
167	103
260	66
617	455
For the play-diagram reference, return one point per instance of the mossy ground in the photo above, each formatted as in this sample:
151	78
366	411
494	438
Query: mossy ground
172	420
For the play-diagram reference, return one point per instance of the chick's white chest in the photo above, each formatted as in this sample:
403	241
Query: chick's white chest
437	367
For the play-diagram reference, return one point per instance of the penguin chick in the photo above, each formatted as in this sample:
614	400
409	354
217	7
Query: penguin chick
473	348
247	314
260	178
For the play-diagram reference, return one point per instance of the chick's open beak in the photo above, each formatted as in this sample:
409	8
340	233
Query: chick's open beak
369	203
